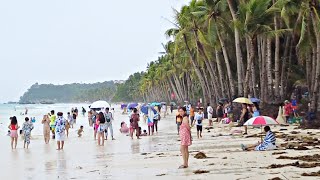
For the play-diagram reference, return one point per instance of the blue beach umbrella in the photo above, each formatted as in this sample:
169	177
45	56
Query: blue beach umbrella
255	100
132	105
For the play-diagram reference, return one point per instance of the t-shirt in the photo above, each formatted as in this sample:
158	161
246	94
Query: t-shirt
199	117
108	116
210	110
294	102
53	119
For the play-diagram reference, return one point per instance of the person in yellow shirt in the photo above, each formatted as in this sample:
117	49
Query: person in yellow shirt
53	118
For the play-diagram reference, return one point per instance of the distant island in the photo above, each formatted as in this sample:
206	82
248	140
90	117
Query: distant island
111	91
69	93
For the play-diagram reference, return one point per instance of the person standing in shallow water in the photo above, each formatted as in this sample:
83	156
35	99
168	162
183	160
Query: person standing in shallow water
109	118
60	135
27	127
185	136
46	128
14	131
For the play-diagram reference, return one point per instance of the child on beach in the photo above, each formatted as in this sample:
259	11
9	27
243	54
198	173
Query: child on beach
198	121
67	127
13	127
80	131
70	120
124	128
27	127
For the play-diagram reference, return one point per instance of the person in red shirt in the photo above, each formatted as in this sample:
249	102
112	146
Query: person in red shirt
287	110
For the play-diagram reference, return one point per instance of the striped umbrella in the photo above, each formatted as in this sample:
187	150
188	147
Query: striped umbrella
261	121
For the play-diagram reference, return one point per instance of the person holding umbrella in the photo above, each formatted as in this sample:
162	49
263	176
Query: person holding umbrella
269	142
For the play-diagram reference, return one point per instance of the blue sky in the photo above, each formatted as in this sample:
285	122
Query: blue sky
66	41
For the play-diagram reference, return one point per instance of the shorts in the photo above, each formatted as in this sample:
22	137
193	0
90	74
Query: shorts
191	118
199	128
209	116
14	133
60	136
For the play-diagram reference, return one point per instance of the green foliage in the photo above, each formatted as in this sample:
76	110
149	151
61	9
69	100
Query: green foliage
69	93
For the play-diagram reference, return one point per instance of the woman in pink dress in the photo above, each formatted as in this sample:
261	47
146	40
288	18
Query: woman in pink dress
185	136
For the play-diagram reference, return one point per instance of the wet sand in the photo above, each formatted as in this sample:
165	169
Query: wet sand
155	157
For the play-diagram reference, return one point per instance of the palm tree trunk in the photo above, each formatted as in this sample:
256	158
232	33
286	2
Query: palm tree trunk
315	94
269	69
226	60
238	49
283	68
249	64
276	59
219	66
197	70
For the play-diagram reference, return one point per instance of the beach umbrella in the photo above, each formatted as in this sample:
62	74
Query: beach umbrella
144	109
242	100
99	105
255	100
261	121
155	104
123	106
132	105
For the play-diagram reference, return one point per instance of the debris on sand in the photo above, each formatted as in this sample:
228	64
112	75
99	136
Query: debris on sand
295	164
294	132
212	164
160	154
160	174
276	178
200	155
224	158
144	154
311	174
200	171
278	153
79	167
301	148
308	158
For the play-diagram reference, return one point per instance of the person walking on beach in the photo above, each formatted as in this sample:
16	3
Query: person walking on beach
90	118
178	121
287	110
60	126
185	136
134	124
219	112
164	110
46	128
100	121
192	114
210	114
13	127
27	127
95	124
156	119
244	117
109	118
171	108
70	120
53	118
84	111
198	121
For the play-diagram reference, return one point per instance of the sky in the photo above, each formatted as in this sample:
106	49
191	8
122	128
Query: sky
67	41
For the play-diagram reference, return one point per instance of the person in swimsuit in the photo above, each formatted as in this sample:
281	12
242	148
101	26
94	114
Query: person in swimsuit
244	117
14	131
27	127
100	122
185	136
46	128
134	123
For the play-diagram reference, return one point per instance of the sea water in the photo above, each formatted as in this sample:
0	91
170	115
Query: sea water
37	111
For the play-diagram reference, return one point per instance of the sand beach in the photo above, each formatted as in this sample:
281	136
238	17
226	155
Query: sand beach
158	156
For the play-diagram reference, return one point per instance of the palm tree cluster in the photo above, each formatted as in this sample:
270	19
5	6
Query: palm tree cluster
231	48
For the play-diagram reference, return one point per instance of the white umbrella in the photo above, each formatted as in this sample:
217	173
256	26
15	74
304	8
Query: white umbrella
100	104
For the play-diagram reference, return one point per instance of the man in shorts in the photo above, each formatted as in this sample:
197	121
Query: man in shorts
210	114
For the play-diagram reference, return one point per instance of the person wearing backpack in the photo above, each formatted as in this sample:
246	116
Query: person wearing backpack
109	118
